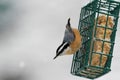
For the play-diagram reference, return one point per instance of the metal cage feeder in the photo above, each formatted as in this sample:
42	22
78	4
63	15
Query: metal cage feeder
98	26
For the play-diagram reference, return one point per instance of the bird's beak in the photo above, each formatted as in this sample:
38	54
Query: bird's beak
55	57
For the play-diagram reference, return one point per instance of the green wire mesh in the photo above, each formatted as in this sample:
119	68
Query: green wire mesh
88	62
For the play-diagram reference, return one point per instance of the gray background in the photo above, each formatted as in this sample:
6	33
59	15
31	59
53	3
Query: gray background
30	32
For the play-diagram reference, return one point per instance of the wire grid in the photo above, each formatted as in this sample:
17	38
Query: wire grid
88	23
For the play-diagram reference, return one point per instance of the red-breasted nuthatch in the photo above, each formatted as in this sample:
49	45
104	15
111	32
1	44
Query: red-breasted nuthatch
71	42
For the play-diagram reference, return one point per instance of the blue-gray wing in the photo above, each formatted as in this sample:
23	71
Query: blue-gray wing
68	36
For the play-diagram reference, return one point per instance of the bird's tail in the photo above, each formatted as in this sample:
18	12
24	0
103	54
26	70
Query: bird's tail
68	22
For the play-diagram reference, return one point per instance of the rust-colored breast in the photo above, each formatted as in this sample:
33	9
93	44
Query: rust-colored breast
76	44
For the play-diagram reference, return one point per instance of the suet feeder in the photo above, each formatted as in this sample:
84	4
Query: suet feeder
98	26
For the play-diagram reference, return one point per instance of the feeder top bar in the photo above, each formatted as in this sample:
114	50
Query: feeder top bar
108	0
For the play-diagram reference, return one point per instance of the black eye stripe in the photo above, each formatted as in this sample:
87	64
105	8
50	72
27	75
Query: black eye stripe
64	47
61	48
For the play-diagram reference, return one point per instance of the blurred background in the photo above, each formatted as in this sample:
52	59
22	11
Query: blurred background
31	31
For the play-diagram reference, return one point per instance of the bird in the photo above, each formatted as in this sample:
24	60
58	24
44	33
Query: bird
71	41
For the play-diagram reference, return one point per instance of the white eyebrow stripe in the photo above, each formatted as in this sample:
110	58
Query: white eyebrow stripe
62	47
